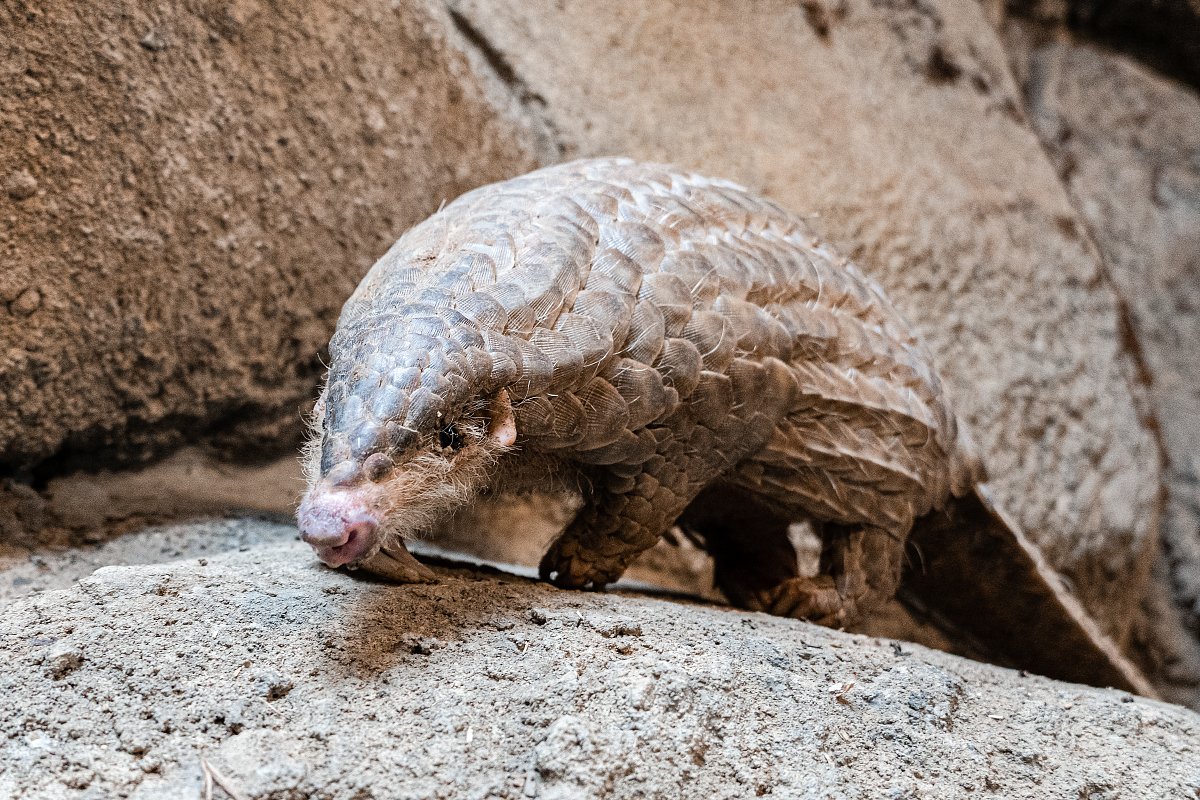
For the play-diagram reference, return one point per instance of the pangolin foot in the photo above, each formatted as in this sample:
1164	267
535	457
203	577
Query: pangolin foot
394	563
568	567
815	599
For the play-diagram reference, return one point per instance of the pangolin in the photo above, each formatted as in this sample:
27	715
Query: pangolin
681	350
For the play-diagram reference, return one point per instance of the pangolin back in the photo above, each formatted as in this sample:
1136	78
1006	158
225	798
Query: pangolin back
605	293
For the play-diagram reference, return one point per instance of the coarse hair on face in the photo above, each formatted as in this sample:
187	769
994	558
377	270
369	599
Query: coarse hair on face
310	452
447	469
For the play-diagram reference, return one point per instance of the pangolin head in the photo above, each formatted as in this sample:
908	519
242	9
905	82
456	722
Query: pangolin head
404	432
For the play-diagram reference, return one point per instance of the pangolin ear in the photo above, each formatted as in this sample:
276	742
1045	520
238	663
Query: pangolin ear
503	426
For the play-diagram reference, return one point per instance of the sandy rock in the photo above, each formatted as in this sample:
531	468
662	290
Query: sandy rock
190	192
1165	34
292	680
27	571
899	128
21	185
1127	145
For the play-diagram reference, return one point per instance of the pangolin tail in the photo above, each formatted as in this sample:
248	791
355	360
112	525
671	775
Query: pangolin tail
977	569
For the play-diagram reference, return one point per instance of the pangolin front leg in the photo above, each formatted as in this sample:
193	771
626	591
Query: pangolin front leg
630	506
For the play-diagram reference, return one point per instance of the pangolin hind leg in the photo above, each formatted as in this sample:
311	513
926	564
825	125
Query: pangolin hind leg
752	553
865	563
860	571
756	568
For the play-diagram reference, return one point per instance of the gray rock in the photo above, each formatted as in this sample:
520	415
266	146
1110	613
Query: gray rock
533	692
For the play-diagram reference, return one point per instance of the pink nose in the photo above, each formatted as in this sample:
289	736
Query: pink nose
337	536
338	525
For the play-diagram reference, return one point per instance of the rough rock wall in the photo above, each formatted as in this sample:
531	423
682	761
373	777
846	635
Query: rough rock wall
190	192
1164	34
1126	143
295	681
898	126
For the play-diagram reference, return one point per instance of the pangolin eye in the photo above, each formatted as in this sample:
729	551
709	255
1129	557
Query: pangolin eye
450	438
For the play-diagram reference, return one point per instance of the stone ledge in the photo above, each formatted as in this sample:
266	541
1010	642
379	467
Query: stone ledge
297	681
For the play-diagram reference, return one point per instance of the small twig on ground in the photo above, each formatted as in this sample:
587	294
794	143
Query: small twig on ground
213	775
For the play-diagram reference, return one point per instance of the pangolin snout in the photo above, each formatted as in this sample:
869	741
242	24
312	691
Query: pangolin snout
338	524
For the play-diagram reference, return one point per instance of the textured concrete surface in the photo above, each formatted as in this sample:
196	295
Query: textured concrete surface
294	681
1126	143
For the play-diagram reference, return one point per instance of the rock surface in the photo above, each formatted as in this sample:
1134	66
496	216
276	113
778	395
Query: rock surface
1164	34
292	681
25	572
191	191
1126	143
